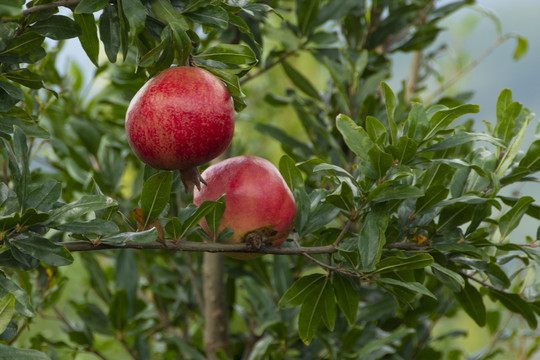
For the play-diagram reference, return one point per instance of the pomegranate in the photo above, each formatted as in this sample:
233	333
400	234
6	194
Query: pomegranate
259	207
181	118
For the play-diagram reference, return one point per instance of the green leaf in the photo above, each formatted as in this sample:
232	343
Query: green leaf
156	194
203	210
510	220
141	237
98	227
390	101
289	171
470	299
57	27
397	263
90	6
181	43
416	125
516	304
443	118
22	301
338	171
98	280
110	31
10	8
25	77
9	222
16	118
7	309
464	138
233	85
300	290
213	16
434	195
23	44
306	14
300	81
376	130
44	250
126	276
135	14
174	228
118	310
12	90
237	54
88	38
521	48
8	352
531	160
355	136
450	278
398	192
512	151
84	205
283	137
346	297
42	197
213	218
32	217
371	239
380	160
165	12
404	150
414	286
319	306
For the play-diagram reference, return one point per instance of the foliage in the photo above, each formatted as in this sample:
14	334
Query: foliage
409	196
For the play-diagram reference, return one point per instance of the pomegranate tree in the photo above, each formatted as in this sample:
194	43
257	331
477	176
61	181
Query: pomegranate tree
181	118
259	207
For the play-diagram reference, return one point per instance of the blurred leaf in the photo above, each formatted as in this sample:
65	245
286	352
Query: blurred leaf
13	118
84	205
98	280
44	250
23	44
414	286
181	43
300	290
300	81
510	220
94	318
397	263
390	101
346	297
88	38
289	171
355	137
521	48
283	137
25	77
12	90
7	309
213	16
319	306
90	6
118	310
126	276
141	237
10	8
10	352
110	31
95	226
22	301
57	27
471	301
237	54
443	118
306	13
156	194
515	303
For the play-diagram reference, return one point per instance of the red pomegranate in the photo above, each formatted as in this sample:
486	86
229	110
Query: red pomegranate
259	205
181	118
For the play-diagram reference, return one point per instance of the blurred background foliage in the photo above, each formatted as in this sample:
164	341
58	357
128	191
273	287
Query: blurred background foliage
146	304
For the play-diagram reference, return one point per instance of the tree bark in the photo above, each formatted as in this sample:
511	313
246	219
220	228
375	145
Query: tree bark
215	305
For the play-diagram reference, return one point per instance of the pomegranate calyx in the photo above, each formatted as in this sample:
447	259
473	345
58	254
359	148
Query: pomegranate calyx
190	178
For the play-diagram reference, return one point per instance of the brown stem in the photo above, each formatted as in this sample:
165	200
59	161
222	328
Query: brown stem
37	8
215	307
416	65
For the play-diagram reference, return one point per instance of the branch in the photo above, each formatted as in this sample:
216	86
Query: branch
37	8
200	247
268	67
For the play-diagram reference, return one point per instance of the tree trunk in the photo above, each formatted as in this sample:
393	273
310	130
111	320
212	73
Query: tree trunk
215	305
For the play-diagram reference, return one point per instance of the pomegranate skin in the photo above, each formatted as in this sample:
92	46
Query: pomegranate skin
257	200
181	118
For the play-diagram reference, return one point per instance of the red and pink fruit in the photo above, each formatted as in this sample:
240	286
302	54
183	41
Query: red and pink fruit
181	118
258	203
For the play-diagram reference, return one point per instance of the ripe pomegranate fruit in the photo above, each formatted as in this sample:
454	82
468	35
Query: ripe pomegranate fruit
181	118
259	207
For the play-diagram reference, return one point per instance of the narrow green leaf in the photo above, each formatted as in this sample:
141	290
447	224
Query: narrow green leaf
416	125
443	118
414	286
22	301
12	90
371	239
57	27
206	208
110	31
181	43
213	218
7	309
25	77
126	276
236	54
381	161
213	16
521	47
42	197
118	310
471	301
376	130
316	308
355	137
390	102
90	6
346	297
512	151
141	237
174	228
510	220
289	171
397	263
306	14
515	303
8	352
98	279
135	14
155	196
95	226
84	205
44	250
450	278
464	138
283	137
23	44
233	85
337	170
433	196
88	38
300	290
398	192
300	81
531	160
32	217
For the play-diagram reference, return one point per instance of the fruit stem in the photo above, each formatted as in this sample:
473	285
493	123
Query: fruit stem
191	177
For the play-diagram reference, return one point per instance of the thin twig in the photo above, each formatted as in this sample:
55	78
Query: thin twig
38	8
268	67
